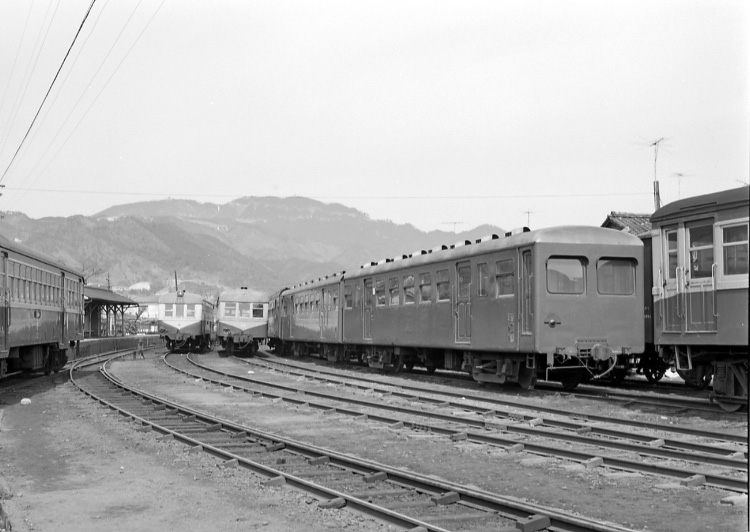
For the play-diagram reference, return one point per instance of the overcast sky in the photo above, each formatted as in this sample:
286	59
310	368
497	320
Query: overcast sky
439	114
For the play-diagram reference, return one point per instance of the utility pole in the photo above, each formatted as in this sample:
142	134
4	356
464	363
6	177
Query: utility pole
657	197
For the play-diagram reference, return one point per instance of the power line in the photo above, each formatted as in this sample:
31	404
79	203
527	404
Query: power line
48	90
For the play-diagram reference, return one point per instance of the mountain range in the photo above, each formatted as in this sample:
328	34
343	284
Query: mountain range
264	243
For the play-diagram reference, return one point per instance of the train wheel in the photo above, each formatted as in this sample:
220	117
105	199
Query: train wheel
654	375
430	367
398	364
729	407
570	380
699	377
409	364
526	377
230	348
617	376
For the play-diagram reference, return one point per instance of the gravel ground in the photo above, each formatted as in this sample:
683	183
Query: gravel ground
68	464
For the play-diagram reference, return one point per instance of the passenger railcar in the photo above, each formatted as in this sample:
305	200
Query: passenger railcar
242	320
186	321
700	291
41	315
560	303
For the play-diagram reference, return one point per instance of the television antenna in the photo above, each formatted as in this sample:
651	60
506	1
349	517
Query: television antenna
454	225
679	176
528	217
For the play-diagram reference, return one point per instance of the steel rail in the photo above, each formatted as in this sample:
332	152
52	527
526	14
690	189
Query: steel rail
735	438
589	458
505	507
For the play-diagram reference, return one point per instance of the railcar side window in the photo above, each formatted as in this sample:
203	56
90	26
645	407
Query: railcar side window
358	295
504	277
380	292
425	288
443	285
565	275
483	275
701	250
409	290
394	292
348	301
615	277
735	249
671	237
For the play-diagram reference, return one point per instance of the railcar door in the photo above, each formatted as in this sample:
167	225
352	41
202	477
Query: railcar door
292	314
462	303
367	308
673	281
323	312
4	309
526	298
700	281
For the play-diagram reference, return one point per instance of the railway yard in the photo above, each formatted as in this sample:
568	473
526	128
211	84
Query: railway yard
293	444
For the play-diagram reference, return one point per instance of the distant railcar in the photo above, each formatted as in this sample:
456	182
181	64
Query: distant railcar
700	291
561	303
186	321
242	320
41	315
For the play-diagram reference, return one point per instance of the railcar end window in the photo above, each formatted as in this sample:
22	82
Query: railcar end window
701	250
565	275
615	276
348	300
504	277
671	238
443	285
425	288
245	310
409	290
168	310
394	292
257	310
230	310
484	279
735	244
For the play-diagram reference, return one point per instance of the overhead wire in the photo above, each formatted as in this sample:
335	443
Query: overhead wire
23	140
15	62
94	100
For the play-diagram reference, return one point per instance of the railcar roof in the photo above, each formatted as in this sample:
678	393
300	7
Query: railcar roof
244	295
33	254
561	235
187	297
726	199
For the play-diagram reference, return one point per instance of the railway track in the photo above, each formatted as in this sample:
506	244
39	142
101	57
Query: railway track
577	442
497	401
403	498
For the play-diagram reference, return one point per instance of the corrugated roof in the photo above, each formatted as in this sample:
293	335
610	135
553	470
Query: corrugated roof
636	224
100	294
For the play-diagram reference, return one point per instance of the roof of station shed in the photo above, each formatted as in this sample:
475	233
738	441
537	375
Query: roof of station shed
104	296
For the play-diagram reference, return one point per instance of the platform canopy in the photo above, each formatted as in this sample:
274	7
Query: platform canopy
102	308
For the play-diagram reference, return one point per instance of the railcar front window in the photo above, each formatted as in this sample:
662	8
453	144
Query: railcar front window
464	281
169	310
615	277
258	310
245	310
701	251
230	310
565	275
735	243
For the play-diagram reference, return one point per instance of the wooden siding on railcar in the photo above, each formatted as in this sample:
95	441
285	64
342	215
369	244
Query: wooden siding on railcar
311	313
700	271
